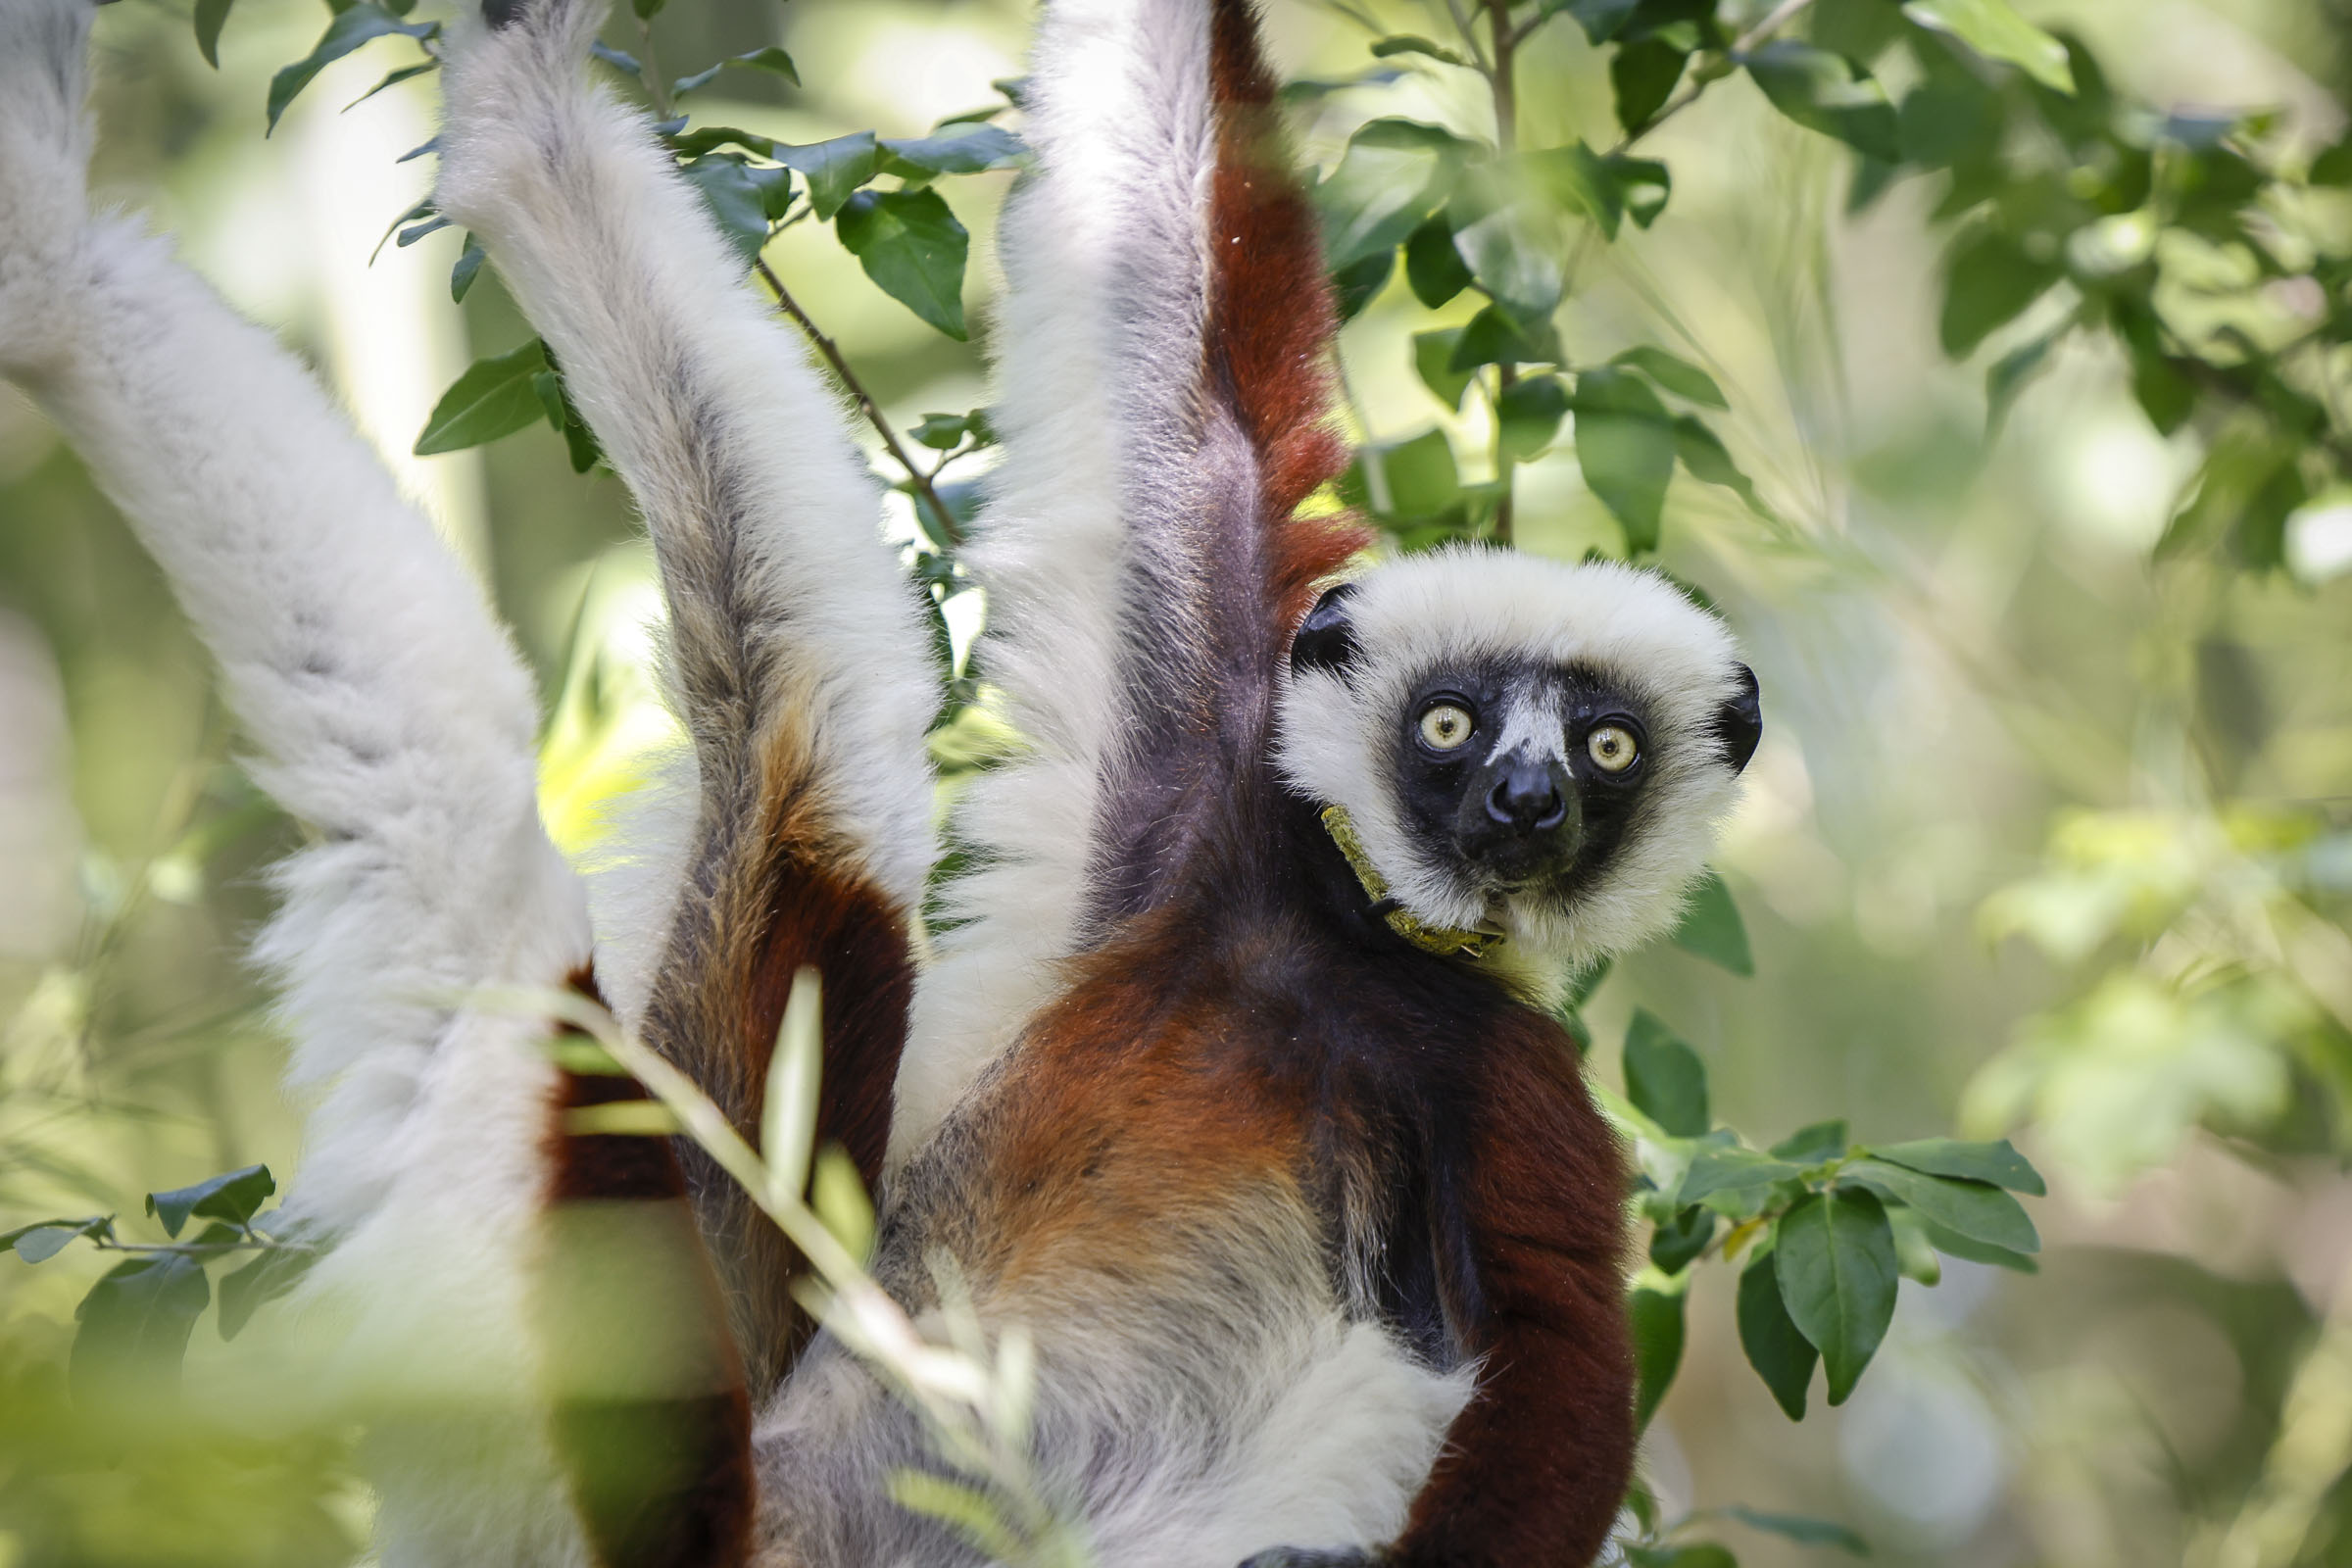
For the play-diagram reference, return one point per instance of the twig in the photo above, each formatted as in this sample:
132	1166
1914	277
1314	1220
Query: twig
1770	22
657	87
1505	89
925	494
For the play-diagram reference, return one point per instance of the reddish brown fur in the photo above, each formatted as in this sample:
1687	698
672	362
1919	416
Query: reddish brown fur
661	1481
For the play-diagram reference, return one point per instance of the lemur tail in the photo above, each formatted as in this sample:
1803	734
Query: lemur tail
1164	385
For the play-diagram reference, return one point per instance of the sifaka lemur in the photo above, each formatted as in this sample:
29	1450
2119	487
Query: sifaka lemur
1232	1076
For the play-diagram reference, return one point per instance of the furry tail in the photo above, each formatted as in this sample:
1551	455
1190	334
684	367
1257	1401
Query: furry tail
1162	388
797	656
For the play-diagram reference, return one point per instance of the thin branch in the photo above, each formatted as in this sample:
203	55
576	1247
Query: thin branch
657	86
925	494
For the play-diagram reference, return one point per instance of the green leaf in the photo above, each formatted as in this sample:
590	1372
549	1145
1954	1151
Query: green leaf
1813	1143
944	432
43	1240
1711	926
1528	416
469	266
1704	457
494	398
710	138
1600	18
1433	267
1698	1555
1782	1356
1664	1077
771	58
1433	361
1993	30
1626	446
360	22
1643	76
1955	1245
1673	1244
1407	43
1580	181
1675	374
967	148
393	78
840	1202
1360	283
1510	250
2334	167
913	249
134	1329
232	1196
1828	93
1658	1349
1412	479
1914	1253
1977	1210
647	10
1988	280
1835	1259
1801	1529
833	168
268	1277
567	422
1494	336
2012	371
1392	175
738	198
211	16
1996	1163
1732	1171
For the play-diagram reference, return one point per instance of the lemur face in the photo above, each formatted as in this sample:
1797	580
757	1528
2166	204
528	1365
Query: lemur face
1522	745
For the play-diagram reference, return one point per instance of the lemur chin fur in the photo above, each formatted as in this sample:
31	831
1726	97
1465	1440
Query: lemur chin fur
1265	1134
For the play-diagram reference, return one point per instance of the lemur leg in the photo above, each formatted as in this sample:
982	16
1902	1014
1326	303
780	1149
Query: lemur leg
390	715
797	653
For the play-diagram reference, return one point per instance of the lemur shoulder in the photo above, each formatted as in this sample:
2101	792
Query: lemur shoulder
1233	1079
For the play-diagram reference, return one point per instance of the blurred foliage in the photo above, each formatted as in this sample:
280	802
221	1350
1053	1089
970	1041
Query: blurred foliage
2006	364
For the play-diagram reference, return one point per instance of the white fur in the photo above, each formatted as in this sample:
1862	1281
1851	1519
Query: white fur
1462	603
731	441
1105	257
392	717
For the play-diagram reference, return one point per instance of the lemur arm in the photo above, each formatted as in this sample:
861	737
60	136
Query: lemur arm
1161	390
797	655
391	715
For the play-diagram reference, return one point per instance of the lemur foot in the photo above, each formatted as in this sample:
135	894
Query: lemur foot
1328	1557
44	156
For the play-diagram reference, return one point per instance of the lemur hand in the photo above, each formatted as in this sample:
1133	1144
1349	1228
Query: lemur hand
44	154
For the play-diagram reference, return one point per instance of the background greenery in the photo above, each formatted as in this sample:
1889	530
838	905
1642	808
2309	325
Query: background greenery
2050	835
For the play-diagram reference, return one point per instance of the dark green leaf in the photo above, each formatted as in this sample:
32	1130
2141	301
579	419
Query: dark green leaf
2011	373
1979	1210
771	58
1801	1529
1625	443
2334	167
1835	1259
1828	93
1673	1244
625	64
1993	30
1580	181
211	16
1664	1077
1643	76
232	1196
43	1240
963	149
833	168
1702	455
1732	1171
394	78
1392	175
1711	926
469	266
358	24
1600	18
1989	279
1996	1163
737	197
1658	1349
1433	267
1511	251
913	249
1958	1246
2162	386
1675	374
944	432
1782	1356
1356	285
263	1281
1494	336
1433	361
494	398
1406	44
1412	479
414	232
1696	1554
134	1329
647	10
1528	416
1813	1143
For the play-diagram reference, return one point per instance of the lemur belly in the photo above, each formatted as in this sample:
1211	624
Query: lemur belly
1203	1390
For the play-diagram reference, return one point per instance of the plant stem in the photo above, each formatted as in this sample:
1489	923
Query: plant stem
1504	88
927	496
656	87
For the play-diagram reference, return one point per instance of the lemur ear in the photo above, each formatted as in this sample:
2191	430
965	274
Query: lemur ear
1740	722
1325	640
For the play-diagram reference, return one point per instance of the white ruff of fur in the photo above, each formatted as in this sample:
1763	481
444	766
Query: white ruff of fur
1629	626
1105	259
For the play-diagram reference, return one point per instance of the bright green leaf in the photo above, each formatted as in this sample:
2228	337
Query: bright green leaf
1675	374
494	398
1994	30
1711	926
1828	93
232	1196
913	249
1664	1077
1914	1253
833	168
1997	1162
1782	1356
1835	1259
1658	1349
1977	1210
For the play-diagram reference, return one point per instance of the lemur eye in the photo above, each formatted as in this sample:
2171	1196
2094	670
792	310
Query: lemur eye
1446	725
1612	747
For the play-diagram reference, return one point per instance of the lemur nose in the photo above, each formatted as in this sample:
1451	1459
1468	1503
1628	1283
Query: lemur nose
1526	799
